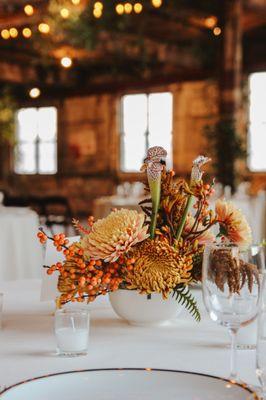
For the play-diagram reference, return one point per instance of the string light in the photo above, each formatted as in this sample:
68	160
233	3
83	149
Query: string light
98	9
66	62
156	3
98	5
34	93
28	9
97	13
119	9
217	31
44	28
210	22
13	32
75	2
64	13
138	8
128	8
5	34
26	32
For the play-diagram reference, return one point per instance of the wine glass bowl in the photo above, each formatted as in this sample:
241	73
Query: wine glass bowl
232	282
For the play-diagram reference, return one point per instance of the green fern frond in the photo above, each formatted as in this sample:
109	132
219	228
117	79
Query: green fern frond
183	296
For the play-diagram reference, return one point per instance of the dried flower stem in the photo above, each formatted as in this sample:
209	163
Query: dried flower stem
184	217
197	216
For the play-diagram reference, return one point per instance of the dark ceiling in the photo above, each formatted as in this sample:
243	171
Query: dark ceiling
160	44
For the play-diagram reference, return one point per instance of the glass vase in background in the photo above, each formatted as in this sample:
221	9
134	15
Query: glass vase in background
232	282
247	338
261	351
1	309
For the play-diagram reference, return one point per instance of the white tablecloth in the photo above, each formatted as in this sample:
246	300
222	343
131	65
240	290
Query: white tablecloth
27	345
20	252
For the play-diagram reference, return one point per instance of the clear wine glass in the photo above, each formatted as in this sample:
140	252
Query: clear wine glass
232	282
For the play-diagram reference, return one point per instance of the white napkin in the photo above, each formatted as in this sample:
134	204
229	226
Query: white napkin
49	282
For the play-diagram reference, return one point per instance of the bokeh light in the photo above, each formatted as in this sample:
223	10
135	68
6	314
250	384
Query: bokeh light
34	93
28	9
66	62
26	32
217	31
44	28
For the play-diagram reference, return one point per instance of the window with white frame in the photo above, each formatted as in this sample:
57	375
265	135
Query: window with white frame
146	120
36	141
257	122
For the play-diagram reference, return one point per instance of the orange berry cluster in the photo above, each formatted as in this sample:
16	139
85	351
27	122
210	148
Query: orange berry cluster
60	241
81	278
54	267
42	237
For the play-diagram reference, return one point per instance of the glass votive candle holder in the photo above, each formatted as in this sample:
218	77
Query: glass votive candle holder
72	332
1	309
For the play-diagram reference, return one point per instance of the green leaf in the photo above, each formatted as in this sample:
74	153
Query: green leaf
184	297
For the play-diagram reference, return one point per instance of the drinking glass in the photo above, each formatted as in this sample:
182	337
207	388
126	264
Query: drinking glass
1	309
261	351
247	337
232	281
72	332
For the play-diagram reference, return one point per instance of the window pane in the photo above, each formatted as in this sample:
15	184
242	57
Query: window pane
161	121
47	158
27	124
257	130
36	127
134	126
47	123
25	158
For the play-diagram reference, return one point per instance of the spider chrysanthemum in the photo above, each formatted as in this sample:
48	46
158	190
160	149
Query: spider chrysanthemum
114	235
158	267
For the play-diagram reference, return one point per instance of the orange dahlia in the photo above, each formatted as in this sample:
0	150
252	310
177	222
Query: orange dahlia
233	223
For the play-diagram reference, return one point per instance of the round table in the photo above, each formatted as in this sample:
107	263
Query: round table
21	256
27	343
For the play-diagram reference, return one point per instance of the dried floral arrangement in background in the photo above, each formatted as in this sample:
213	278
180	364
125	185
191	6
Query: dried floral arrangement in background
228	268
159	250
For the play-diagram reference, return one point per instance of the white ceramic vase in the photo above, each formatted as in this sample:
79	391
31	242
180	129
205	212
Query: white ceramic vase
138	310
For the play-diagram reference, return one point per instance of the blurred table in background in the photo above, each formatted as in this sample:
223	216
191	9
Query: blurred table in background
254	208
103	205
128	195
21	255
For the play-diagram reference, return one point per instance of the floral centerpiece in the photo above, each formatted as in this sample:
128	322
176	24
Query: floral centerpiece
158	250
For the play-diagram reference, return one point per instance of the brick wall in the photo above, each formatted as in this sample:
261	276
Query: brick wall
88	144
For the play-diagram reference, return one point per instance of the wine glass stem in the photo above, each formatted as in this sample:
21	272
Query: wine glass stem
233	333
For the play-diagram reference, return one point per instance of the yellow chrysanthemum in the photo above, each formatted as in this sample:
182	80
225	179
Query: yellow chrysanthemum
158	267
114	235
